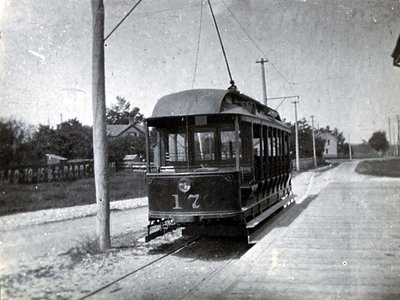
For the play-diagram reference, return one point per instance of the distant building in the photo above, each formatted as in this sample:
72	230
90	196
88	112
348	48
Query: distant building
331	144
133	162
121	130
52	159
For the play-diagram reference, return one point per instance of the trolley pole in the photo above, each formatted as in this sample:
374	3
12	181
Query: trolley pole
296	134
313	141
100	151
264	85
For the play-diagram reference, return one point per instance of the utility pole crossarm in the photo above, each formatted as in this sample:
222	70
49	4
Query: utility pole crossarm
285	97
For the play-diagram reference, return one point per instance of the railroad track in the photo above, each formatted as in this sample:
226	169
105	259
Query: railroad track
211	274
176	249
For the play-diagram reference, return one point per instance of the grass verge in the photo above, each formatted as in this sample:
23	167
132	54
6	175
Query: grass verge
16	198
380	167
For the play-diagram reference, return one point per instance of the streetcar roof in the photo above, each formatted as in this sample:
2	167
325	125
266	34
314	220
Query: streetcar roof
210	101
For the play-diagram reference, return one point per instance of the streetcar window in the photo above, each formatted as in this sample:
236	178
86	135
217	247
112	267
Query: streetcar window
204	144
247	143
272	142
286	144
176	147
257	140
278	143
257	148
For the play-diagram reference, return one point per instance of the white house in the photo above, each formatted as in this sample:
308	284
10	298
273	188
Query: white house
331	144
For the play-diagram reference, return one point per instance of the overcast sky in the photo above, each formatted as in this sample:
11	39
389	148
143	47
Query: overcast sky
334	54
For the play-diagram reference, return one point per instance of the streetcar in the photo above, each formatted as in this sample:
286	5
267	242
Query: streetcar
218	162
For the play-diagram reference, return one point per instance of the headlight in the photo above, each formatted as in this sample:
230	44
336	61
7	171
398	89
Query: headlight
184	185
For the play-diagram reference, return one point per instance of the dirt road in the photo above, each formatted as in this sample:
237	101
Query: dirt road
48	261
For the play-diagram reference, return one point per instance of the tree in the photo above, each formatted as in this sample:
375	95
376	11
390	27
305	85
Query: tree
342	146
121	113
42	143
73	140
120	146
305	140
70	139
14	136
379	142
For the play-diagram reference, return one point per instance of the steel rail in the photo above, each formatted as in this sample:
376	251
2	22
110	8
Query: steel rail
184	245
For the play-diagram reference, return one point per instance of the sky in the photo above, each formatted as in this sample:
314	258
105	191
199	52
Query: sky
334	54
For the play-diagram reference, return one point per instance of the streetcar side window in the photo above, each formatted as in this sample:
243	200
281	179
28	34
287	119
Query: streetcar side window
278	143
257	151
272	143
266	150
285	144
247	143
228	145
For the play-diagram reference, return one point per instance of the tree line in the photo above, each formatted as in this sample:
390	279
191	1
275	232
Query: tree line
23	144
306	142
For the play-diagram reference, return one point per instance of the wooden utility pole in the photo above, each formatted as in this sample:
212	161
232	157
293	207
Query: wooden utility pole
390	136
313	141
264	85
100	151
398	135
350	155
296	135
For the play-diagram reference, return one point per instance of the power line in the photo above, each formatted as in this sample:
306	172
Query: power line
244	30
123	19
283	99
256	45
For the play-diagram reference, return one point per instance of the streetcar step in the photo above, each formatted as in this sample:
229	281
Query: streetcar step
256	221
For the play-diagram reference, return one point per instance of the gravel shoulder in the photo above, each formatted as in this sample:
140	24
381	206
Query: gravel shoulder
13	221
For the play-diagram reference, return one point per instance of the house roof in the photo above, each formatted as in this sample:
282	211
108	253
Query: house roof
53	156
326	134
118	129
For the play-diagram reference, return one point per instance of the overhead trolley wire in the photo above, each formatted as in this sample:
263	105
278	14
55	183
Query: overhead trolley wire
244	30
281	103
123	19
256	45
198	43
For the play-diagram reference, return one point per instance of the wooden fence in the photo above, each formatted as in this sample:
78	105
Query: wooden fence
47	173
